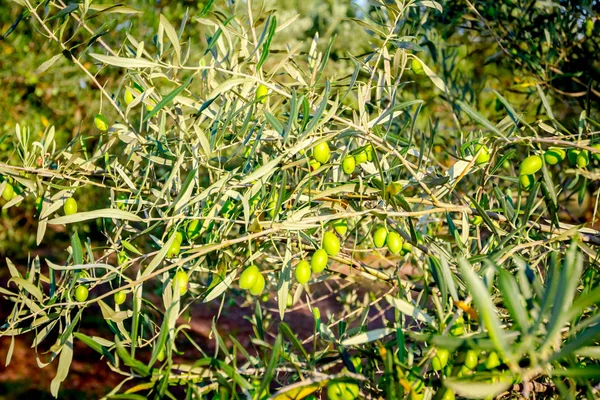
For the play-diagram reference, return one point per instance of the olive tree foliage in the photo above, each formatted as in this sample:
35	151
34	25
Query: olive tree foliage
206	177
555	44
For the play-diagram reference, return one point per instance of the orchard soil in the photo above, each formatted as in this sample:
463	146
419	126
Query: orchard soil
91	378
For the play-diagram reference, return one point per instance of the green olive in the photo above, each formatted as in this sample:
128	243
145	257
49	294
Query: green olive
342	391
258	286
174	249
331	243
9	192
179	237
492	361
554	155
120	297
262	93
81	293
572	156
302	272
181	281
471	359
101	122
348	165
321	152
527	181
318	262
476	220
583	159
70	206
361	157
596	156
458	328
370	152
290	300
417	67
484	155
440	360
407	247
530	165
249	277
380	236
341	226
193	229
394	242
128	96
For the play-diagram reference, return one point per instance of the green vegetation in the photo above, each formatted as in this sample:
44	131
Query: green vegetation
399	198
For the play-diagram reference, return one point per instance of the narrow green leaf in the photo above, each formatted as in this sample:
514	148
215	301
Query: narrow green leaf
485	306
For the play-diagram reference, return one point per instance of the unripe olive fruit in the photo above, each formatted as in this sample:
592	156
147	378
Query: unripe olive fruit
370	152
361	157
261	93
9	192
440	360
596	156
70	206
527	181
302	272
150	105
417	67
81	293
530	165
321	152
407	247
128	96
572	156
101	122
331	243
348	165
341	226
290	299
181	281
394	242
380	236
193	229
484	155
458	328
258	286
342	391
554	156
179	237
174	249
471	359
249	277
492	361
120	297
318	262
583	159
314	164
